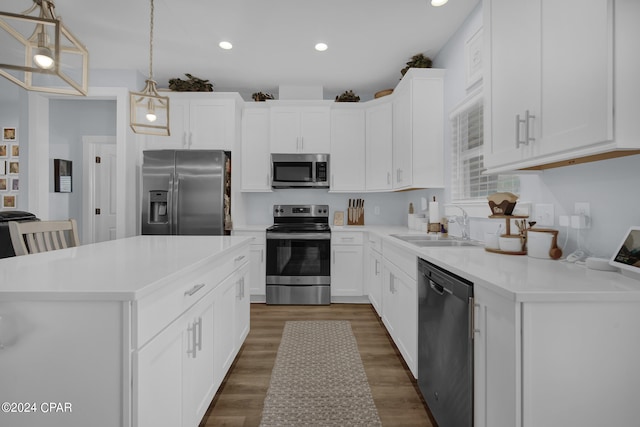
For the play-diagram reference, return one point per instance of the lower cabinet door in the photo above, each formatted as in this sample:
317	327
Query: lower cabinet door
198	372
224	327
157	387
243	307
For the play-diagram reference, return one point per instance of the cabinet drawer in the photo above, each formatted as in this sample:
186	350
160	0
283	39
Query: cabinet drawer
375	242
259	237
404	260
347	238
156	311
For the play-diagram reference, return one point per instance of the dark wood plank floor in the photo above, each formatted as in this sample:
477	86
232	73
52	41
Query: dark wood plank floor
240	398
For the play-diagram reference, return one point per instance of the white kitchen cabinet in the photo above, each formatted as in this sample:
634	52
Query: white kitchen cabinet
256	159
300	129
200	121
256	283
224	328
347	148
530	356
418	126
555	97
141	327
379	145
231	318
373	274
198	388
158	367
400	302
243	306
346	263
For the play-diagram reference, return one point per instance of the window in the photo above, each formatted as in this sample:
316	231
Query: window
467	181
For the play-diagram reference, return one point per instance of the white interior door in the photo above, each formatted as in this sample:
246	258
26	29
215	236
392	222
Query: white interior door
99	201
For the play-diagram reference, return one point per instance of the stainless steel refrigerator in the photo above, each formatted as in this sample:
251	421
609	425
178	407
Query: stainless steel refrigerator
186	192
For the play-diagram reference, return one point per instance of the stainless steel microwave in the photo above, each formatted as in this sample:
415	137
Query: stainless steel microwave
300	170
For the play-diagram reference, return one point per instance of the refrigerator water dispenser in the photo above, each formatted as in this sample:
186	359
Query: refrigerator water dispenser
158	213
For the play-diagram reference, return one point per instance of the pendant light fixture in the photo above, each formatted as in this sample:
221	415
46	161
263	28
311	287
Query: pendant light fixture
39	53
149	110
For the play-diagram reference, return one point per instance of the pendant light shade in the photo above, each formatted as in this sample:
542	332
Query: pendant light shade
39	53
149	110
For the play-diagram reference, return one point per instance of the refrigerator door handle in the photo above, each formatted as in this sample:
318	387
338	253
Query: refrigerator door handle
176	204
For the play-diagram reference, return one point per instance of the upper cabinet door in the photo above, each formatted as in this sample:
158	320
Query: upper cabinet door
577	74
549	81
255	158
379	139
347	149
211	124
511	77
300	129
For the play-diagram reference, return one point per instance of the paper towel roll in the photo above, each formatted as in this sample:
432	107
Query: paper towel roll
434	212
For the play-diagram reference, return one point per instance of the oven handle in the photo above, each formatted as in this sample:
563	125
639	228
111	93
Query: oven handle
298	236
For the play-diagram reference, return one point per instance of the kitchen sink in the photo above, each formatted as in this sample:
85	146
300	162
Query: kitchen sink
434	240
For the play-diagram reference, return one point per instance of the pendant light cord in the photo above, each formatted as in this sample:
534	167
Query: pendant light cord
151	44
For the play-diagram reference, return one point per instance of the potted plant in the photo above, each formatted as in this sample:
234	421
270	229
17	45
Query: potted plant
417	61
260	97
194	84
348	96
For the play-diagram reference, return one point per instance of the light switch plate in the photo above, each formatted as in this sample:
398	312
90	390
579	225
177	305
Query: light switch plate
543	214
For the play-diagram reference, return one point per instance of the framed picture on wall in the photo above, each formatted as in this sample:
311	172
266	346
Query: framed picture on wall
15	184
3	184
3	150
14	167
3	167
473	58
9	202
9	134
15	150
62	176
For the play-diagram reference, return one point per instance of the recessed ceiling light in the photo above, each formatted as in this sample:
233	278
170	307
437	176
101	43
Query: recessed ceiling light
321	47
225	45
437	3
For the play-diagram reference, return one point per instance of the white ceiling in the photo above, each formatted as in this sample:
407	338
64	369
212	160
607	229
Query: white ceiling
369	40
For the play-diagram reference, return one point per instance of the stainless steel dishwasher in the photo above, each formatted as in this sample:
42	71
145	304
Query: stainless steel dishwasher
445	344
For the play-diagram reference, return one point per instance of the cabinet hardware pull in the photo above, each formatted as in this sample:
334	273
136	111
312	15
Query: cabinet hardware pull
198	343
518	123
388	177
261	255
238	259
472	320
377	269
191	341
193	290
527	125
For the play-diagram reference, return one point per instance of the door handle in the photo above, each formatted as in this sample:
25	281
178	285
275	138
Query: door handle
439	289
518	123
198	343
527	124
193	290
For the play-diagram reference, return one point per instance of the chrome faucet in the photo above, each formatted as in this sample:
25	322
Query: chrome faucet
462	221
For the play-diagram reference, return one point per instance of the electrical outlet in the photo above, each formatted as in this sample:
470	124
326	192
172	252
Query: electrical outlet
582	208
543	214
583	211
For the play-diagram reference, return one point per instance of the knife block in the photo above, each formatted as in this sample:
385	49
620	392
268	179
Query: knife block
355	216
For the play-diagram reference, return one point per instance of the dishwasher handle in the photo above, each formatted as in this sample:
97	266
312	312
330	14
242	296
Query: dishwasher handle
439	289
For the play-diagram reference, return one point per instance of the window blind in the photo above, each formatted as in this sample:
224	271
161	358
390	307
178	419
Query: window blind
467	139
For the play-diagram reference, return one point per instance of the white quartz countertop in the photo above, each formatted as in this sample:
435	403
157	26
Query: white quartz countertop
521	278
122	269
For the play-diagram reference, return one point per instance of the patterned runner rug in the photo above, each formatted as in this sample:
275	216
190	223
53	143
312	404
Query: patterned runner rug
318	379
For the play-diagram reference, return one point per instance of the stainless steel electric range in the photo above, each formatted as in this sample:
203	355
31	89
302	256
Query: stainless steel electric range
299	255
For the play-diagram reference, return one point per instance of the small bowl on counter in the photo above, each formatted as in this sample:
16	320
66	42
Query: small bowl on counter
510	243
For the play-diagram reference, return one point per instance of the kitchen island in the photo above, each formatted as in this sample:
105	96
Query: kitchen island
131	332
555	344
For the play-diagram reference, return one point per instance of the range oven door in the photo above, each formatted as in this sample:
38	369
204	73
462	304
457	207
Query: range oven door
298	259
